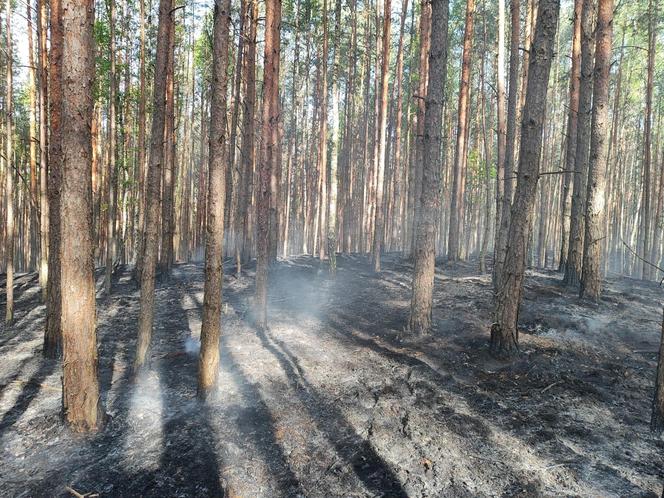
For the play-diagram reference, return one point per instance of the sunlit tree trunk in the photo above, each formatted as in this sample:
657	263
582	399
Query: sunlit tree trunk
334	156
42	27
208	366
32	137
80	386
379	219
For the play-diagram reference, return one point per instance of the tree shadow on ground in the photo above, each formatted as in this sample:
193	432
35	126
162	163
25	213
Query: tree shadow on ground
357	452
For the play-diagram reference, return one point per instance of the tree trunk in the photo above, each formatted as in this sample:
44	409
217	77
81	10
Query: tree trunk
53	332
572	122
269	151
334	157
80	385
595	198
42	27
416	165
573	267
112	172
208	365
504	333
9	160
140	233
248	153
379	219
500	115
425	258
510	143
33	142
646	270
153	187
459	180
169	172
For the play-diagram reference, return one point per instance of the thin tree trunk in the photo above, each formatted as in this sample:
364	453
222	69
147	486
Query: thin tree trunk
573	267
53	332
42	27
510	143
334	157
572	123
379	219
269	151
9	162
504	333
459	179
646	270
112	172
140	233
153	187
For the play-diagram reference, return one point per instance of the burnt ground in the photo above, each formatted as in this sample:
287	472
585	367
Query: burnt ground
337	400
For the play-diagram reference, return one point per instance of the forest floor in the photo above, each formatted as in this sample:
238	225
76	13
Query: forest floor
337	400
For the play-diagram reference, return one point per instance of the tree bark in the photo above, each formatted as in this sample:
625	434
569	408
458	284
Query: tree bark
334	157
425	258
379	219
572	123
42	27
153	187
53	332
595	198
9	160
416	165
80	385
646	270
573	267
208	365
504	333
269	151
510	143
112	172
459	180
248	153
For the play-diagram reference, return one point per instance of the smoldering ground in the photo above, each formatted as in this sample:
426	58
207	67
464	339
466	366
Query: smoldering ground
337	399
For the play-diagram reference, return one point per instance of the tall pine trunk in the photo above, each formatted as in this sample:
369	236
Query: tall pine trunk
595	198
269	151
208	365
153	180
504	333
80	385
425	258
459	179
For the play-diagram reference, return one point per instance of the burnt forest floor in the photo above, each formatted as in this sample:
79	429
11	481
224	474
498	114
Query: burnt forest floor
337	400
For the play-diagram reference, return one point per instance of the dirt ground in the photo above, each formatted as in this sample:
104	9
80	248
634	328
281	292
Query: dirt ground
337	400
